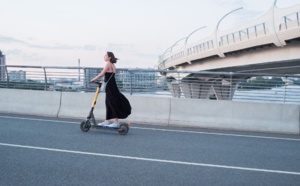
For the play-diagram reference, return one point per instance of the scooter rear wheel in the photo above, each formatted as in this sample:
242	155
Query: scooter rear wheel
85	126
123	130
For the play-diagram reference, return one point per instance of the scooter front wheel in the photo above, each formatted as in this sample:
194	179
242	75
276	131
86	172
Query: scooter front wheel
85	126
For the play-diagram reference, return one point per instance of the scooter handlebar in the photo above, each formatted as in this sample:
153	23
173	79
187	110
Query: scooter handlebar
96	82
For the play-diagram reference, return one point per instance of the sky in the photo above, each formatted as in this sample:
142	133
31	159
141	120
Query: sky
62	32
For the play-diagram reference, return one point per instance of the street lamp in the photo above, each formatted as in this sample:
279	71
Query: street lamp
217	27
161	58
166	51
176	43
192	33
187	40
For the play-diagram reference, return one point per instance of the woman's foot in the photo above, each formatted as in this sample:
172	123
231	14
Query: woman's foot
114	125
104	123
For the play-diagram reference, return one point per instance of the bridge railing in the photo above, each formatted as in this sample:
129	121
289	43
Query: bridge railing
275	88
76	79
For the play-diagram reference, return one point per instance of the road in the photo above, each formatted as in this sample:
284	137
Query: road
52	151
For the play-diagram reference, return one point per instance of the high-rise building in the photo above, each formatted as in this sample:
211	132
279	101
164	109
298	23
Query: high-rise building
2	68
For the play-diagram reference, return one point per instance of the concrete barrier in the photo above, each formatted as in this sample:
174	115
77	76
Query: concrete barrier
261	117
78	105
231	115
203	113
39	103
151	110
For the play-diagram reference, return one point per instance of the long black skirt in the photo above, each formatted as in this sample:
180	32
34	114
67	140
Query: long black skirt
117	105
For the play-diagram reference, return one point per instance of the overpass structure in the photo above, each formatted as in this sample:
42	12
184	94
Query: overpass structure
269	44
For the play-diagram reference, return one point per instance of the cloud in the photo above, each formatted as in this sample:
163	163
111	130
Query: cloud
120	47
19	54
4	39
56	46
140	50
89	47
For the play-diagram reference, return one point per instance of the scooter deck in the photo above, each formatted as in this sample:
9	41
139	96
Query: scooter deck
107	127
104	127
122	128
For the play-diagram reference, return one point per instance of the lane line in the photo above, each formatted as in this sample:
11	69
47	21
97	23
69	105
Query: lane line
166	130
36	119
219	134
152	160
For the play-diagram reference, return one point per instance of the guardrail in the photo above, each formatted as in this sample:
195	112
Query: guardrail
76	79
252	87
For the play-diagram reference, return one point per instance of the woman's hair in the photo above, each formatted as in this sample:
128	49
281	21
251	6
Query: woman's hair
113	59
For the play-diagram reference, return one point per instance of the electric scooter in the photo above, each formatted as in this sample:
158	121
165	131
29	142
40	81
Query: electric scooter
90	121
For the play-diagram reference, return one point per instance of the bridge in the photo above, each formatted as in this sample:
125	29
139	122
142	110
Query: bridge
269	44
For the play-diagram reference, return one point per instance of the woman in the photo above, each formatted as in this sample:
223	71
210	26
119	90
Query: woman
117	106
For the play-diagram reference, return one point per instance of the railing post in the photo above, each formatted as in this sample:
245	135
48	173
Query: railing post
284	98
130	75
298	18
7	77
45	75
230	93
85	79
179	83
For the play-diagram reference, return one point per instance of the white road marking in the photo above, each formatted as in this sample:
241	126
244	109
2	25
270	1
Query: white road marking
151	160
36	119
165	130
219	134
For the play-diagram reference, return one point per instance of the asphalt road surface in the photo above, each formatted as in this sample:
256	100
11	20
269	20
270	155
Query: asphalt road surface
51	151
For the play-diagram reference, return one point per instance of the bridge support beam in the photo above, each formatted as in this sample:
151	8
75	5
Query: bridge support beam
203	89
195	89
223	90
174	89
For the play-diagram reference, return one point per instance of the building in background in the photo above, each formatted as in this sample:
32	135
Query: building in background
2	68
89	74
138	80
17	76
125	79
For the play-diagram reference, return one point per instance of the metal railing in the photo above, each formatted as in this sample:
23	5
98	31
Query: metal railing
275	88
